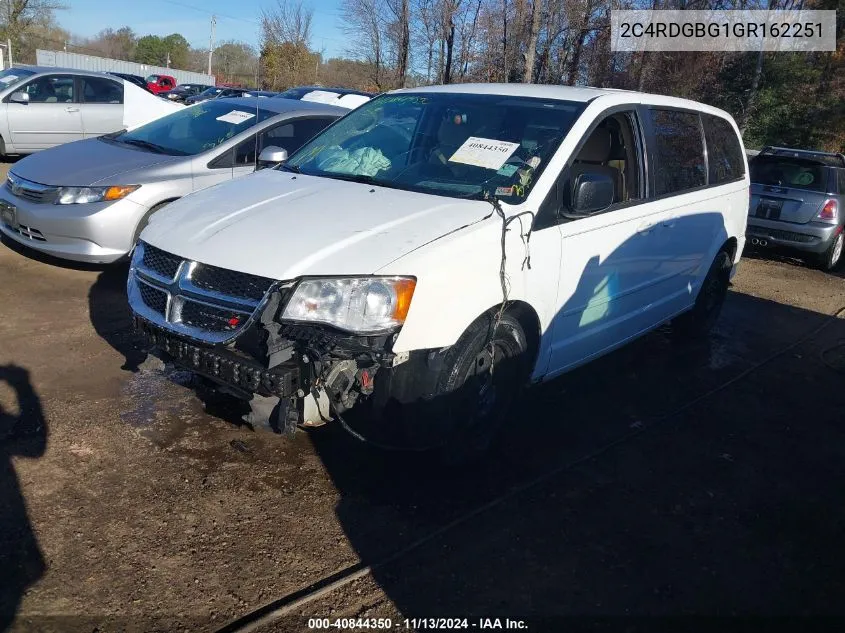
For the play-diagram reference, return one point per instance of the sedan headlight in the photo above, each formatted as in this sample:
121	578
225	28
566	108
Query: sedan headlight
81	195
364	305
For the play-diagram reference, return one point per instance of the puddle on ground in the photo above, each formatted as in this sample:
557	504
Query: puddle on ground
161	403
156	393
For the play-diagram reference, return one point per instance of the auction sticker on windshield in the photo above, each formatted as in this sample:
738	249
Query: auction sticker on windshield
484	152
236	117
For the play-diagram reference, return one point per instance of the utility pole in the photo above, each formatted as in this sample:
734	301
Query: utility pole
8	29
211	42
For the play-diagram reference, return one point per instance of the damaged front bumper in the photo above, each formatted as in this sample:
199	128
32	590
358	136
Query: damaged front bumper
226	327
242	374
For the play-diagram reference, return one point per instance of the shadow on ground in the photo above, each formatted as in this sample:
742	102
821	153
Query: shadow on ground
22	434
107	303
659	505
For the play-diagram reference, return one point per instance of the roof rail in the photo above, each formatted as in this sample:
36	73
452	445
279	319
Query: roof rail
772	149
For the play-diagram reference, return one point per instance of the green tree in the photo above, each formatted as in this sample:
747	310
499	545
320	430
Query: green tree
151	50
177	47
154	50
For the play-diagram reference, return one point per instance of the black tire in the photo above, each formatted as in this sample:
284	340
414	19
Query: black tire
141	225
474	402
698	322
832	257
146	220
2	148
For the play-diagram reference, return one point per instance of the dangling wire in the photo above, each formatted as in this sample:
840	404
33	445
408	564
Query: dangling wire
525	236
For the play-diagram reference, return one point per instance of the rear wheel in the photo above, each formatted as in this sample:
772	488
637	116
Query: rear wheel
832	257
708	304
476	400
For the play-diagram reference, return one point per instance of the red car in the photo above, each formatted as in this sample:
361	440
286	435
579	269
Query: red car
161	83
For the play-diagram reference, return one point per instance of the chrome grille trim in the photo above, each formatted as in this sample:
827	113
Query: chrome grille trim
29	190
29	233
181	291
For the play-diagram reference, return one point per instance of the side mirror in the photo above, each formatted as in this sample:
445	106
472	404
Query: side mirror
19	97
272	155
592	192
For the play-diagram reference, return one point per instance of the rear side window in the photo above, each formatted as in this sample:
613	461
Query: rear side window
840	175
99	90
679	151
788	172
724	152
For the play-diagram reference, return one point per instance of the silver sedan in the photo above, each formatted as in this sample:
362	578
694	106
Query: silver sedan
89	200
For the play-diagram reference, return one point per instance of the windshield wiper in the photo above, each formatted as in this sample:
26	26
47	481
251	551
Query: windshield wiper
292	168
158	149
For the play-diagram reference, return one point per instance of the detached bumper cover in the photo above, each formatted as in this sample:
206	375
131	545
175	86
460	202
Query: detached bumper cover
223	365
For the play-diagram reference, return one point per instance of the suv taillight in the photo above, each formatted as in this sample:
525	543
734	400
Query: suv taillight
829	211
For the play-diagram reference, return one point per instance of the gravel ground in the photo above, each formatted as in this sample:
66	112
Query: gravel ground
662	480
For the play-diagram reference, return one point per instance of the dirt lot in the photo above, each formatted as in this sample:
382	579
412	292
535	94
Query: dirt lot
663	480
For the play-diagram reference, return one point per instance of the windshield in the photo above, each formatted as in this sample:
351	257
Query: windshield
192	130
458	145
294	93
210	92
152	79
788	172
12	76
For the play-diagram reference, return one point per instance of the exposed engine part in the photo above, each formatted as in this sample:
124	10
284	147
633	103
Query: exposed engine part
340	380
280	415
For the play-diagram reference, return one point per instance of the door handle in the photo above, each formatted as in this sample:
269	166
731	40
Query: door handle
645	227
71	109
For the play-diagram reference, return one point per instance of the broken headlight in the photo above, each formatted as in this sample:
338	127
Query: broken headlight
363	305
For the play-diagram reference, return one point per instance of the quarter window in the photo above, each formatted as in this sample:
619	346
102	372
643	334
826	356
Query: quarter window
724	153
679	151
98	90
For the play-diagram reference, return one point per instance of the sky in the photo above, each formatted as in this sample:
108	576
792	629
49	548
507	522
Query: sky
236	20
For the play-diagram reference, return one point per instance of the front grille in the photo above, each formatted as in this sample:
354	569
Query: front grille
31	191
230	282
197	300
210	318
162	263
153	298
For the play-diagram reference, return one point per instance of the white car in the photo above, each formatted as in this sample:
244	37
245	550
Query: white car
41	107
438	248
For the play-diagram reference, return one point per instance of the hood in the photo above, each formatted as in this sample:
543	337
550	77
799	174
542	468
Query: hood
282	225
87	162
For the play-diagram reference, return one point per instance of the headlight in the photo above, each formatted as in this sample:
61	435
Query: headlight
81	195
364	305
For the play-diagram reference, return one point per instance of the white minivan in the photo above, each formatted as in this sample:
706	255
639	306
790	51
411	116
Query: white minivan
438	248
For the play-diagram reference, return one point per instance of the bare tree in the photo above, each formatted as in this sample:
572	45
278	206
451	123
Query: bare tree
425	33
402	12
289	21
21	16
363	21
533	34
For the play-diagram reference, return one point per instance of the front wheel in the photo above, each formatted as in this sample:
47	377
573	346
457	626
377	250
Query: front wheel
832	257
475	400
698	322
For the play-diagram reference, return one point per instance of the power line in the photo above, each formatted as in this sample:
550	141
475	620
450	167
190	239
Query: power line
217	13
